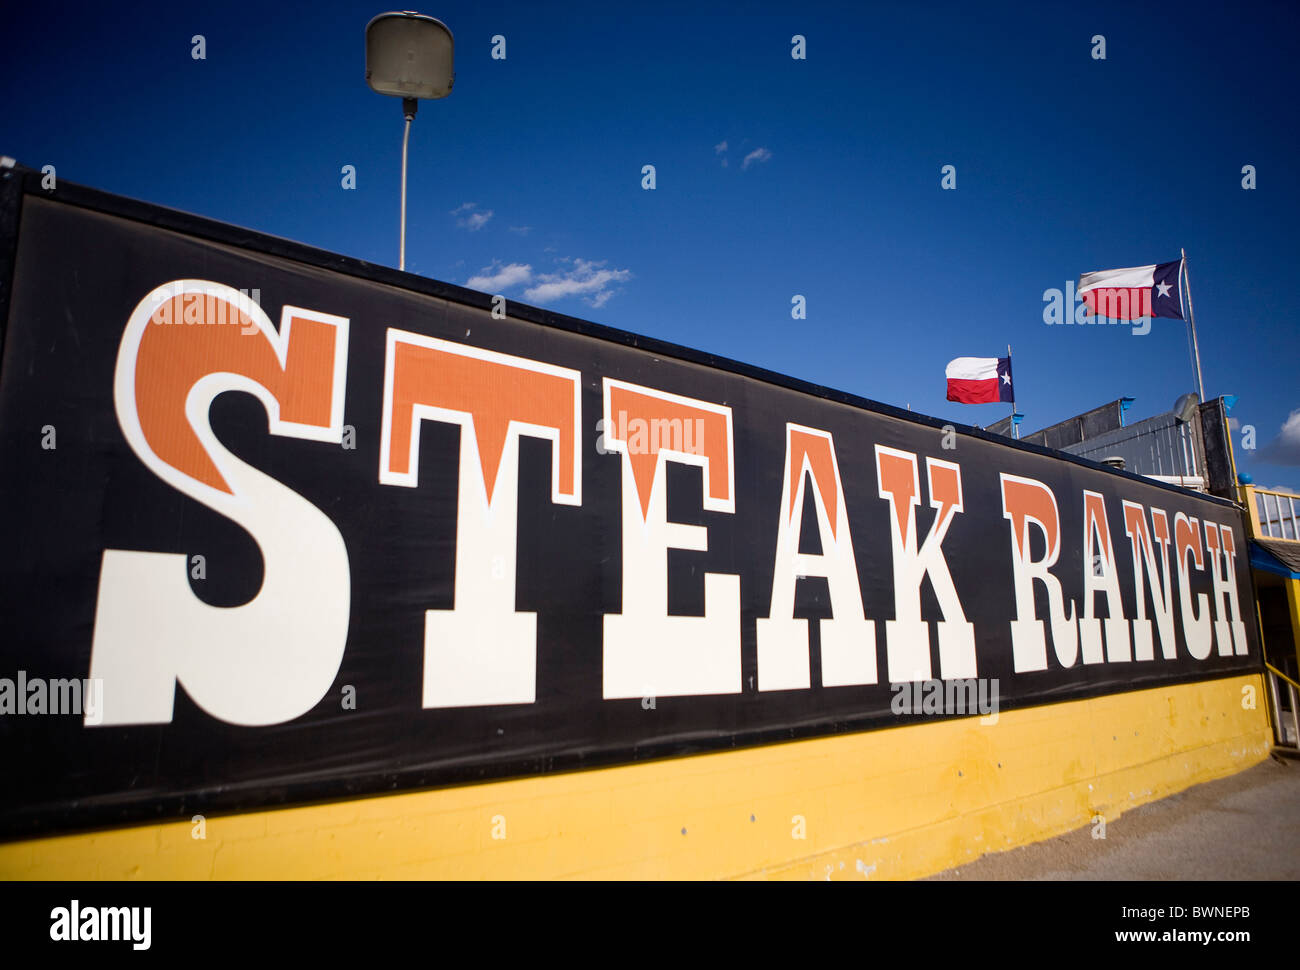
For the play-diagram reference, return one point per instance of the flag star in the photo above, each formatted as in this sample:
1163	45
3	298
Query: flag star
1164	288
1006	378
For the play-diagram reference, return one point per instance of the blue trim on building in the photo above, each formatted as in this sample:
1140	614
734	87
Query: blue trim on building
1261	558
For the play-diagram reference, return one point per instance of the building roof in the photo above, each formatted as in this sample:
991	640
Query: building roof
1281	556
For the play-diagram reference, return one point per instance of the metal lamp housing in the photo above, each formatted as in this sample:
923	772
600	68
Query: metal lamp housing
409	55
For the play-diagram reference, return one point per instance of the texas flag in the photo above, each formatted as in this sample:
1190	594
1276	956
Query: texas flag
1139	291
980	380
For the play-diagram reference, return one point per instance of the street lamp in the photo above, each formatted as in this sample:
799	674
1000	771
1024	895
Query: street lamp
408	56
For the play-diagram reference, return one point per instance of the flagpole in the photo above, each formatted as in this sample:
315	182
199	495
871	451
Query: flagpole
1191	314
1015	426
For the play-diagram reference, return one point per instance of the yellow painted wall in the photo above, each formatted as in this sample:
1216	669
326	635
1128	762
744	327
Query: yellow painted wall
894	804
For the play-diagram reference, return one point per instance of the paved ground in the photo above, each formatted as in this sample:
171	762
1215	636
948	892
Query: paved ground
1243	827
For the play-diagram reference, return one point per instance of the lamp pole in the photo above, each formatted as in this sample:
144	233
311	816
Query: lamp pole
408	56
409	107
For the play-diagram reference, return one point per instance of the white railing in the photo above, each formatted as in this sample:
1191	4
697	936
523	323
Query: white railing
1279	514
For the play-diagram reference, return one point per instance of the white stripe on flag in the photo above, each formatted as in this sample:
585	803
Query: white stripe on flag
1132	278
972	369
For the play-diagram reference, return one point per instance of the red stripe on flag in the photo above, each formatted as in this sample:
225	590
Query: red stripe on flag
1124	303
973	392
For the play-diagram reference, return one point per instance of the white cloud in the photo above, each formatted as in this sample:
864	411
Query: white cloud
586	278
522	230
757	155
1287	489
719	148
497	278
472	220
1285	448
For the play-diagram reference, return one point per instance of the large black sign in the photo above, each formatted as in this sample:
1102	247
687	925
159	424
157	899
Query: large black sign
281	526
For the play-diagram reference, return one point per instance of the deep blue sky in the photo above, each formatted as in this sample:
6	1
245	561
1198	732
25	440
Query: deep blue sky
1065	164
